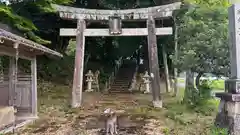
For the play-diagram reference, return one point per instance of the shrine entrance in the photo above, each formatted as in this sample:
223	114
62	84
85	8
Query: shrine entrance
115	19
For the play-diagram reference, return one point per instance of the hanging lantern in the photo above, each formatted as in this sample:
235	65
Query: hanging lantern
115	24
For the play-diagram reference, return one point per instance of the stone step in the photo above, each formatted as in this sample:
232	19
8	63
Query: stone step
125	72
121	91
124	77
121	81
115	88
120	84
119	88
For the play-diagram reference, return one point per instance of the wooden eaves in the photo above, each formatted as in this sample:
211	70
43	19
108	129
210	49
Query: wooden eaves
27	49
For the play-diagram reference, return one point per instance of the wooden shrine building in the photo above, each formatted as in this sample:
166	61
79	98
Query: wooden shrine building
115	19
18	89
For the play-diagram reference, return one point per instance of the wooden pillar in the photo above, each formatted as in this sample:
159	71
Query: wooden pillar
79	65
167	79
34	86
11	80
153	62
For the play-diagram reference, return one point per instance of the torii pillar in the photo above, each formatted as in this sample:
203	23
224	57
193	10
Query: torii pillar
79	64
153	62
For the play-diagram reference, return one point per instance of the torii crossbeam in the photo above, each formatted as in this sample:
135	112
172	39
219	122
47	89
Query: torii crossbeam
163	11
125	32
144	14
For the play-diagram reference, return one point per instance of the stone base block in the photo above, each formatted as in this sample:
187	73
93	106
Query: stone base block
234	128
229	113
147	92
91	90
228	97
157	104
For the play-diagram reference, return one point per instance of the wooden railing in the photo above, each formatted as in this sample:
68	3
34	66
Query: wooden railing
112	77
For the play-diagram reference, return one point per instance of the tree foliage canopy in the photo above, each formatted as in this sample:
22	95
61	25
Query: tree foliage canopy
203	38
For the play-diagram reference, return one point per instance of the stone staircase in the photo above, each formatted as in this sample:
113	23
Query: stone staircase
123	78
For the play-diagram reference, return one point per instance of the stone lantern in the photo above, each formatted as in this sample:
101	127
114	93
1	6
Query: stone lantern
146	81
115	24
89	81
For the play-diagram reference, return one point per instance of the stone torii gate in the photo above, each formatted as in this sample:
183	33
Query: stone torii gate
115	17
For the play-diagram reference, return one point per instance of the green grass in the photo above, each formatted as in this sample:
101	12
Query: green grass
181	80
215	84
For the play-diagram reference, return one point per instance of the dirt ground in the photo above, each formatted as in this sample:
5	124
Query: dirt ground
57	118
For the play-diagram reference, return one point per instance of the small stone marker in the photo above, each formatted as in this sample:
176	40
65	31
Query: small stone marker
89	81
146	81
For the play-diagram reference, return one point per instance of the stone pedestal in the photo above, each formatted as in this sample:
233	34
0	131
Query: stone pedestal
229	109
157	104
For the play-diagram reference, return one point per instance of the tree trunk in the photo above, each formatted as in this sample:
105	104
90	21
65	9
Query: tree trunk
176	91
168	88
197	81
189	86
1	69
176	57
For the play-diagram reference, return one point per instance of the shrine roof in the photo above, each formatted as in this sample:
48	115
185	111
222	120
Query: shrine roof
8	39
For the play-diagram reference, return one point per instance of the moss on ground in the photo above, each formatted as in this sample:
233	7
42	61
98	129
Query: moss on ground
56	116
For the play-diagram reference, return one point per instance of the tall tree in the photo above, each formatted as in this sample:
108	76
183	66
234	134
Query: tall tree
203	39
